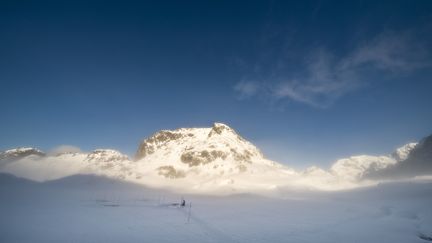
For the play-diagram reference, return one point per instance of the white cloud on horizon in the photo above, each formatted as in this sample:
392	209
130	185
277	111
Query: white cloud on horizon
65	149
346	173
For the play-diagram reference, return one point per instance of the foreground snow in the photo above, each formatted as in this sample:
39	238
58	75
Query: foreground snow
95	209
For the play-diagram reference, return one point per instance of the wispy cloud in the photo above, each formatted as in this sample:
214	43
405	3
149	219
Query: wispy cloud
328	77
321	86
389	51
247	89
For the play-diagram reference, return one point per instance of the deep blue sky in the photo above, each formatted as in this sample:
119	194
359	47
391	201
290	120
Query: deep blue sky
307	81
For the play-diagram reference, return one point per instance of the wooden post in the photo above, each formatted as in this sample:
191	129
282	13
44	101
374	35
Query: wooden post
189	213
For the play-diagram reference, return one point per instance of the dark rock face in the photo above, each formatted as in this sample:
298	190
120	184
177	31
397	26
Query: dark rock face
170	172
418	162
144	150
149	145
195	158
219	129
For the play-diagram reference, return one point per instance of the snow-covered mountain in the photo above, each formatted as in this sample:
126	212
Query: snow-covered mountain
37	165
213	159
402	153
206	157
192	159
359	167
18	153
355	168
218	150
417	162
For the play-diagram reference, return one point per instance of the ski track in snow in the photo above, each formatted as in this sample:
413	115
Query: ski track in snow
211	230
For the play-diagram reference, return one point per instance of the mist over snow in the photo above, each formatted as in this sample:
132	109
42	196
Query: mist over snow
216	160
88	208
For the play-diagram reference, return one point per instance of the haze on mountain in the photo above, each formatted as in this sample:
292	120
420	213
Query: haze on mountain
216	160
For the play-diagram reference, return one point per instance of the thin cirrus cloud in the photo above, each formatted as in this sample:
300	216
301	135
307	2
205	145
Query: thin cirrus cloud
246	89
329	77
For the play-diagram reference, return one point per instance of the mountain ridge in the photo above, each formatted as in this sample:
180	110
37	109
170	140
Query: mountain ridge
203	159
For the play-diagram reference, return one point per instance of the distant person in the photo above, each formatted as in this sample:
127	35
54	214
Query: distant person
183	203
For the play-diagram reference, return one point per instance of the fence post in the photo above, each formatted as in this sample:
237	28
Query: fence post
189	213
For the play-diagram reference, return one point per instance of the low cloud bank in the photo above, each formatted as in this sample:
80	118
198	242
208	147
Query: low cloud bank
408	162
65	149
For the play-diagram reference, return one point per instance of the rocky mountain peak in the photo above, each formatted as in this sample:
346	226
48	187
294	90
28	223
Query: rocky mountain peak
18	153
403	152
220	128
106	155
215	150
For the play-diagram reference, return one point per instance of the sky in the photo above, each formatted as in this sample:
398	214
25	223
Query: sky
308	82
